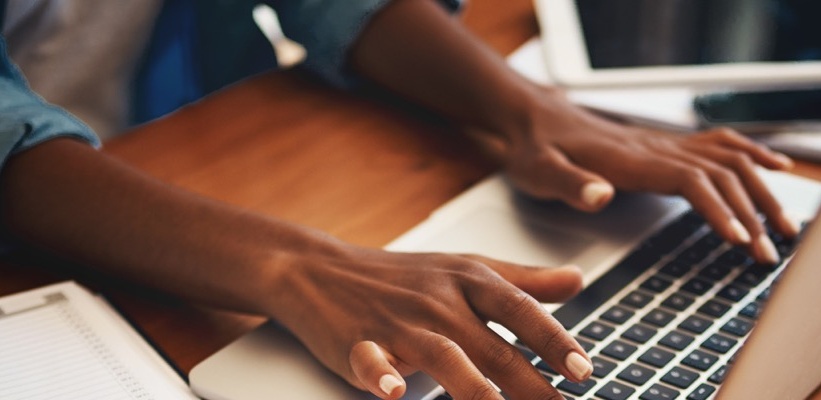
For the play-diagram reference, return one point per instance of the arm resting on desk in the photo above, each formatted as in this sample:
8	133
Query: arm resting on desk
367	314
555	150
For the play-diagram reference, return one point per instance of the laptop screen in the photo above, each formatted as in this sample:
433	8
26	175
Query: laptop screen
630	33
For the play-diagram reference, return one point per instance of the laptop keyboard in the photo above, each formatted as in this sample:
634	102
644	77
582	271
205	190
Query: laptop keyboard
668	320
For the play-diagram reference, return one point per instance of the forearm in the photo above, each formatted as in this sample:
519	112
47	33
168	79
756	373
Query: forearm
64	196
415	49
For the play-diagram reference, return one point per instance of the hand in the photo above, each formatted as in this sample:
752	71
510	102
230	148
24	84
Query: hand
575	156
372	317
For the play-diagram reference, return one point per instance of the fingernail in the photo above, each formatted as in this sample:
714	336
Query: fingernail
578	366
791	225
388	383
739	231
786	162
595	194
767	248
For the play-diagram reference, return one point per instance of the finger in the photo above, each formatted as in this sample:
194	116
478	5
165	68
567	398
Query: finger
761	154
545	284
533	325
556	177
447	363
735	194
370	364
505	366
755	186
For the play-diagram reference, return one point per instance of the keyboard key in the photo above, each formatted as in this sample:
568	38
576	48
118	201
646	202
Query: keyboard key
676	340
754	275
764	295
659	392
639	333
615	391
695	324
602	367
637	299
576	388
619	350
751	310
586	345
636	374
700	360
713	308
733	293
680	377
702	392
656	284
597	330
718	376
678	301
735	257
714	272
737	326
658	317
697	286
544	368
657	357
719	343
675	269
617	315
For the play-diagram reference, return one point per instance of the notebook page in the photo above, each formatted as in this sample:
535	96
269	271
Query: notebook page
62	342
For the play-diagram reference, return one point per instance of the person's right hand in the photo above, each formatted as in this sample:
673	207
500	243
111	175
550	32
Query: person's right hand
373	317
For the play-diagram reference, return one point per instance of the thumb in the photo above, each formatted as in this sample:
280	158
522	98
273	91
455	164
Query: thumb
545	284
554	176
370	363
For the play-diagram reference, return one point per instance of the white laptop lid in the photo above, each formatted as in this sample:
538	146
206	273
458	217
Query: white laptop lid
722	42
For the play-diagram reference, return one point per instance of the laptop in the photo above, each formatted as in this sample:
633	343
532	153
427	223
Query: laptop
666	308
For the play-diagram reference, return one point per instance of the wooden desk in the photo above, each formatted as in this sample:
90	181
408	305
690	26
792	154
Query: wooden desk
362	169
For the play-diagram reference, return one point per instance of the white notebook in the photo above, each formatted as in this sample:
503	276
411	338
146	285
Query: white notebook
62	342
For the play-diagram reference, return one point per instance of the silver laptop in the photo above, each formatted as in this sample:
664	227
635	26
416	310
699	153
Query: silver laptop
666	308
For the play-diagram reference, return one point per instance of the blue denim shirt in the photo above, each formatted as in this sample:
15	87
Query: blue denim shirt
26	119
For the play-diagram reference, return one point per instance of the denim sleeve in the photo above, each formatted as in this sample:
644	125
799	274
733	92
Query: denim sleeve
328	28
25	119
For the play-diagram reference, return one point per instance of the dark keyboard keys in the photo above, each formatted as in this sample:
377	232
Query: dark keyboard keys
714	272
619	350
695	324
657	357
637	299
702	392
697	286
615	391
751	310
676	340
586	345
754	275
718	376
544	368
714	308
733	293
719	343
656	284
527	353
678	301
675	269
659	392
597	330
576	388
639	333
636	374
602	367
617	315
700	360
680	377
737	326
658	317
733	258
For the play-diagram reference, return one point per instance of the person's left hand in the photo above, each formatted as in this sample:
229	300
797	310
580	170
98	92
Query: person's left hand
573	155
